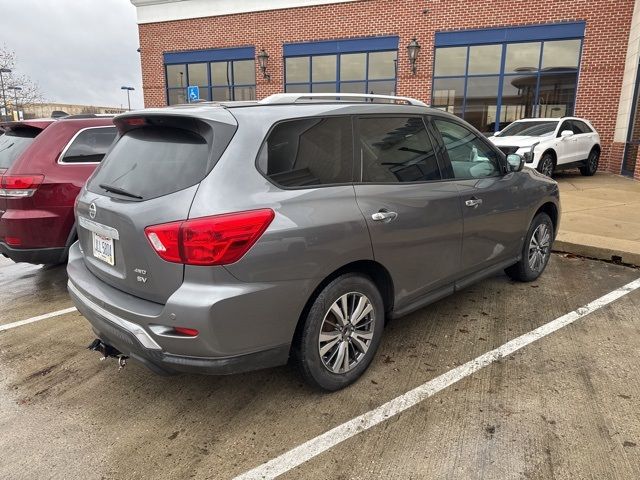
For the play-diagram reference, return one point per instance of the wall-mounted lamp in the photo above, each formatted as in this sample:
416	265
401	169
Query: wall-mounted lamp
413	49
263	58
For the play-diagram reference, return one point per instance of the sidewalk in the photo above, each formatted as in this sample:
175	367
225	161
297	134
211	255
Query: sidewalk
600	216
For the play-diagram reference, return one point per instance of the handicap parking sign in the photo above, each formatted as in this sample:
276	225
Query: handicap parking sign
193	93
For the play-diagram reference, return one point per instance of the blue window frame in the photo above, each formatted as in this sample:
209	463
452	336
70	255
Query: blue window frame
222	74
493	77
361	65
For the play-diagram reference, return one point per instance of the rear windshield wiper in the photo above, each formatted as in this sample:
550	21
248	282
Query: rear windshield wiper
119	191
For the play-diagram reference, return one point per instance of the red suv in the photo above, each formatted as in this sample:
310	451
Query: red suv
43	166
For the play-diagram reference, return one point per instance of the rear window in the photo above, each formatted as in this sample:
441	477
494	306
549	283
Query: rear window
13	143
89	145
153	161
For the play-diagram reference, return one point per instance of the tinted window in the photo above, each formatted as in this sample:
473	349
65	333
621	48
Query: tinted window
522	57
561	55
531	129
396	150
566	125
153	161
90	145
13	143
484	59
470	157
309	152
450	61
297	69
580	127
175	76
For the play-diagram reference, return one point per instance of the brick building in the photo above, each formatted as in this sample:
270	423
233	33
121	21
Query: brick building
490	62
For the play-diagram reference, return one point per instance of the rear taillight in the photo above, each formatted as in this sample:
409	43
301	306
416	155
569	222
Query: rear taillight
216	240
19	185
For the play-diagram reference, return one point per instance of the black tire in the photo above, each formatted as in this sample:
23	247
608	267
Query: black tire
547	165
524	271
307	350
591	165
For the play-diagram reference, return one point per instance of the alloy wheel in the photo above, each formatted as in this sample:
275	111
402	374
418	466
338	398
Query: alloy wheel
539	247
346	332
593	161
547	167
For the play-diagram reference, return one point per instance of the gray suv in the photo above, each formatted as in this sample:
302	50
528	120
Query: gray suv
220	238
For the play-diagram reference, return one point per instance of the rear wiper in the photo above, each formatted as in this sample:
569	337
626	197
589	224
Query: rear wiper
119	191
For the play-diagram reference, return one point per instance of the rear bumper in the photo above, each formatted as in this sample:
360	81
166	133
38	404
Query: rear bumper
134	342
37	229
242	326
50	256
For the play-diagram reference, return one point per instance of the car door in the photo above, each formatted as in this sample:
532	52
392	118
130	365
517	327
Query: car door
413	214
490	198
567	147
584	139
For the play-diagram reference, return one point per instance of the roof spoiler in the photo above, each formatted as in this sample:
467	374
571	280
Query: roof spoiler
39	124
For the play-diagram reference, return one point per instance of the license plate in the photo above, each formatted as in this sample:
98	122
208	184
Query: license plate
103	248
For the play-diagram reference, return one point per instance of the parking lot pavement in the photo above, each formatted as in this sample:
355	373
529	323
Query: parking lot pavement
600	216
565	406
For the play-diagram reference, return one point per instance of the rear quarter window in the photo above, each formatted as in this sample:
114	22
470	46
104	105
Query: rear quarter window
308	152
153	161
13	143
89	145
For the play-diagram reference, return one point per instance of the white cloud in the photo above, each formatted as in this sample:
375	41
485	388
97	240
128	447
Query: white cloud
78	51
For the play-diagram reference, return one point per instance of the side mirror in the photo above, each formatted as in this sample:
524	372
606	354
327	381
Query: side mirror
566	133
515	161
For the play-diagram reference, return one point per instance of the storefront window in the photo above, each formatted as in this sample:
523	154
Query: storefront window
224	80
493	85
349	72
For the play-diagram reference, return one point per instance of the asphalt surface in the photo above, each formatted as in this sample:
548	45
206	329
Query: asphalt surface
567	406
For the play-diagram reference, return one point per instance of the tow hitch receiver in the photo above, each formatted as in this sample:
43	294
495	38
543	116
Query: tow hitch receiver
108	351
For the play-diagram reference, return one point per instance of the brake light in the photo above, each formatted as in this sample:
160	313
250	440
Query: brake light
215	240
134	121
19	185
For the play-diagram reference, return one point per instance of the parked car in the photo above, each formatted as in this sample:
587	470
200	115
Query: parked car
549	144
43	165
220	238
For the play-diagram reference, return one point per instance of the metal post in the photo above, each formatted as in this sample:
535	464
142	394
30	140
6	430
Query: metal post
128	89
15	105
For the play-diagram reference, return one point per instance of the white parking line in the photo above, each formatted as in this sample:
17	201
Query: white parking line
19	323
314	447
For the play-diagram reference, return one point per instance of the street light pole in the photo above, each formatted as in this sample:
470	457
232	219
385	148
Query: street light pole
15	97
4	98
128	89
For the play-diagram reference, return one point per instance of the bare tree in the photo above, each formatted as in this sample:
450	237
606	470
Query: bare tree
30	92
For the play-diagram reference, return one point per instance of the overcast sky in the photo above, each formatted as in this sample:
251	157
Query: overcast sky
78	51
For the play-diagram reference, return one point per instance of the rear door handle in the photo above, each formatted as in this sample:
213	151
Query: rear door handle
473	202
384	216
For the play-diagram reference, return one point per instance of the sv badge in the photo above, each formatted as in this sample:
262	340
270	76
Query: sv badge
141	278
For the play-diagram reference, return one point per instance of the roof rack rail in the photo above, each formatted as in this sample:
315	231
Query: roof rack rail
287	98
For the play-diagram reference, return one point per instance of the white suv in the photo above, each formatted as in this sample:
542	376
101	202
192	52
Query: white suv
550	143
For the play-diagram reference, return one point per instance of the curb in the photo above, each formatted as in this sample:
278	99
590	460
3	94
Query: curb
599	252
